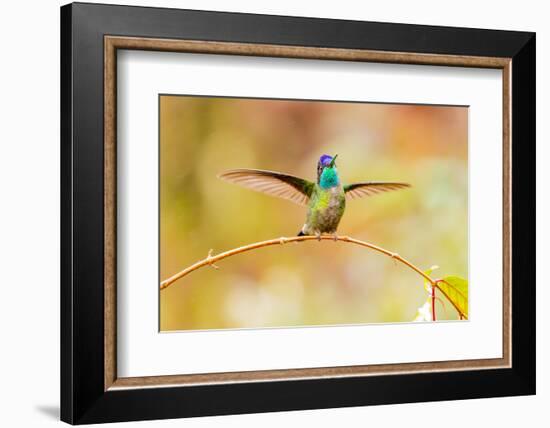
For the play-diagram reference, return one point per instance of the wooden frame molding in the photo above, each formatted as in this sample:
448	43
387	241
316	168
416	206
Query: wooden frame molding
113	43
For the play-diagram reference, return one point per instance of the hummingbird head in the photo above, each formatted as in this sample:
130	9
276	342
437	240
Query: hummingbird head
327	175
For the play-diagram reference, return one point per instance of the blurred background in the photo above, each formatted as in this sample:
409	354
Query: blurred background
308	283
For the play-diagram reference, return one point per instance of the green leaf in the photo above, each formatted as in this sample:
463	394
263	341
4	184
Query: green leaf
455	290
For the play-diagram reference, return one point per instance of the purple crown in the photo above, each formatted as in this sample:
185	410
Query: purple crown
325	160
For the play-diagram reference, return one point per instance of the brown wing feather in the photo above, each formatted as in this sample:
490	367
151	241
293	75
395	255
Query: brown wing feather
272	183
358	190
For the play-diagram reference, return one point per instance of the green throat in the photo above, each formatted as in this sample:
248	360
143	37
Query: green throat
329	178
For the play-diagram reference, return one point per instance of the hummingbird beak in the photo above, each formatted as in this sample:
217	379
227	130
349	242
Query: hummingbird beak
333	160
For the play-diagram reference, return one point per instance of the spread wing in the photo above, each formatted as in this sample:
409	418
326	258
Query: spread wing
284	186
358	190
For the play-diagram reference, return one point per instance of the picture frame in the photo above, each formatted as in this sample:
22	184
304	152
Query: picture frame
91	36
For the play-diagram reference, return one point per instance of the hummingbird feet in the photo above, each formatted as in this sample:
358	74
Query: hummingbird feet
318	235
335	237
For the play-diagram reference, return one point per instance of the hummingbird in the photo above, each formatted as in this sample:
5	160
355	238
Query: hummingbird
325	199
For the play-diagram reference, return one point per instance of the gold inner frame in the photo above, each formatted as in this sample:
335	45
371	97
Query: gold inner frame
113	43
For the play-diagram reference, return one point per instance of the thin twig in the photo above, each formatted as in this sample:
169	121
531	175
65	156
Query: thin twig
433	303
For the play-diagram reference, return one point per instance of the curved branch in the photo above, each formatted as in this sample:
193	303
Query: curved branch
210	260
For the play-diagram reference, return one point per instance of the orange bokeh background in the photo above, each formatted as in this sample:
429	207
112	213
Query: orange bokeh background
308	283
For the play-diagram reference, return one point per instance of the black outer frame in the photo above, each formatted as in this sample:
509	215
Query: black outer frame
83	399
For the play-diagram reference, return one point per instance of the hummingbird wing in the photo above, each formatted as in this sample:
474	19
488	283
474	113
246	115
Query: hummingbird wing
284	186
358	190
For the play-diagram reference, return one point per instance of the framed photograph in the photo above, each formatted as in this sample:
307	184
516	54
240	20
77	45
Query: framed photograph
265	213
